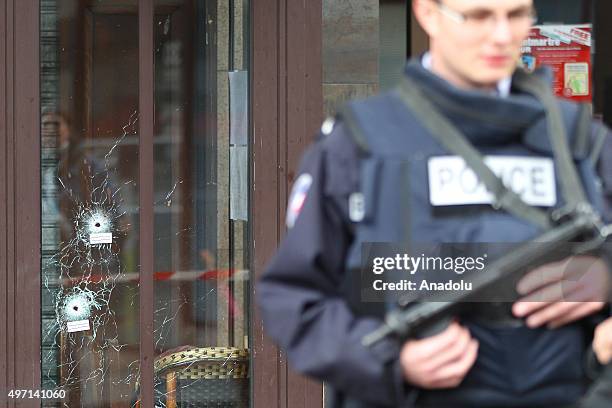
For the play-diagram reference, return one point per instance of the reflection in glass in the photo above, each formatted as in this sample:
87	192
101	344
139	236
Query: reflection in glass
89	201
201	281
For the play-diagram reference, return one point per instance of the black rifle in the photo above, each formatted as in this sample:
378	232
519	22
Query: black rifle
412	319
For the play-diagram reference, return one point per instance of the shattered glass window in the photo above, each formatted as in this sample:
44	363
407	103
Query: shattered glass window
90	209
90	341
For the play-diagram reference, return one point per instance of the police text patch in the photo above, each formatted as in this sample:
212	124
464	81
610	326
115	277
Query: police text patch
452	182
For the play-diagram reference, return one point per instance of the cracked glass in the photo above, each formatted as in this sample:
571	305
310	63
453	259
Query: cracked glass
90	209
201	281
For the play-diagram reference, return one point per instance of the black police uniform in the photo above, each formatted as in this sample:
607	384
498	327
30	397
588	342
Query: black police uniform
599	394
305	294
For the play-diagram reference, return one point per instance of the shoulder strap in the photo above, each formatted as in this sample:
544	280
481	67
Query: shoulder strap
582	140
598	145
452	139
573	191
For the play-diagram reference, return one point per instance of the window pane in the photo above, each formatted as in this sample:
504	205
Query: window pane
201	217
89	165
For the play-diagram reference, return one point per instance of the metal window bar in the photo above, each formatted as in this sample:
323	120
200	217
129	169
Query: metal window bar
145	182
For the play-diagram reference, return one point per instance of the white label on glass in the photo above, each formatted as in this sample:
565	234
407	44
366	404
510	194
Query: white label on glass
101	238
79	325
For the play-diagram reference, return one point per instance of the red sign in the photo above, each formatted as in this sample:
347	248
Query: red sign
567	50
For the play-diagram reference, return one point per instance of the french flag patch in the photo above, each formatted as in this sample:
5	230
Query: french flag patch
297	198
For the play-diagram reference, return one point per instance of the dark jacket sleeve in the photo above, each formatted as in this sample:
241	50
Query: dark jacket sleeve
599	394
604	166
602	156
299	294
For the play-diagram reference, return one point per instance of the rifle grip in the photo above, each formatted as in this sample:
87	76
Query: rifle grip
434	328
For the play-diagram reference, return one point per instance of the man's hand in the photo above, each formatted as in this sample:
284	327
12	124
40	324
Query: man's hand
440	361
602	342
562	292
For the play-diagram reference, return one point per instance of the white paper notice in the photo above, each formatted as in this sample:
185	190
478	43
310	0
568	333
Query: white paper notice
79	325
101	238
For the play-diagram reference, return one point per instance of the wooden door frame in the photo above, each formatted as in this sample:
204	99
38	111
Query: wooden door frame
19	199
286	110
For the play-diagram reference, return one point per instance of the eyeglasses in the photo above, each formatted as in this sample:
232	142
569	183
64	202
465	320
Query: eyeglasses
482	19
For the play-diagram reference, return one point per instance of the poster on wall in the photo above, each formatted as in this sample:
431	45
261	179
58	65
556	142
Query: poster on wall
567	50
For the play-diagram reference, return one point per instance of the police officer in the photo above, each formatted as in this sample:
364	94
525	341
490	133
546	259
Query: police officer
387	171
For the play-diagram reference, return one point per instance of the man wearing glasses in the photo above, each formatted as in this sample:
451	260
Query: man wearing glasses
370	178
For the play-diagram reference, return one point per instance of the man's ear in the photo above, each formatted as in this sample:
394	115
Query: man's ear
426	14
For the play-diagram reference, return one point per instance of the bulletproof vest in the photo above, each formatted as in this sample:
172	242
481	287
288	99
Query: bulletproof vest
516	364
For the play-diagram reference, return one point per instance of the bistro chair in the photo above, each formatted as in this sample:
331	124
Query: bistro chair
202	377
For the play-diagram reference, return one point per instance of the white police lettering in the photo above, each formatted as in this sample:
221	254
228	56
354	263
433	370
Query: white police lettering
297	198
452	182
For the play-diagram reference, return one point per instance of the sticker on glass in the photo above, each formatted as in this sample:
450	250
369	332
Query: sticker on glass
79	325
100	238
